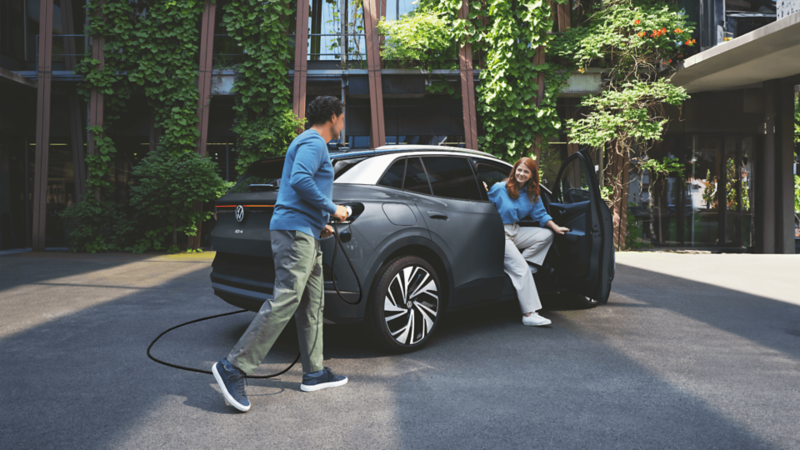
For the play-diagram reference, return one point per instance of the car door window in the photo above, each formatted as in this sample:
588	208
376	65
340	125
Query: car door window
452	177
393	177
574	183
416	180
491	173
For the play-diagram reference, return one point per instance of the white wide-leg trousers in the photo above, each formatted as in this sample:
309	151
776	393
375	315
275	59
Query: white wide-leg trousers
533	243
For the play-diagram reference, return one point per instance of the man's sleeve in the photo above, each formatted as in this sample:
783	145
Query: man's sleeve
307	161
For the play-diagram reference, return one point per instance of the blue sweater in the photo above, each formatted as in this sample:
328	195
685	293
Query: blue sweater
511	211
304	199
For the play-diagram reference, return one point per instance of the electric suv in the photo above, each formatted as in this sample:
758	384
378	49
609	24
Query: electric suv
423	239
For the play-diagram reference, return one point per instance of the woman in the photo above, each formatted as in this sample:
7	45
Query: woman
515	198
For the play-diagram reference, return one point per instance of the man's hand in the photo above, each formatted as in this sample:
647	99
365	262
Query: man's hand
327	232
340	214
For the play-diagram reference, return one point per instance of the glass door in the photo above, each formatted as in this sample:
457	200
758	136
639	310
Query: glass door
719	192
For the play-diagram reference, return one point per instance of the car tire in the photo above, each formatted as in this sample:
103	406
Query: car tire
405	305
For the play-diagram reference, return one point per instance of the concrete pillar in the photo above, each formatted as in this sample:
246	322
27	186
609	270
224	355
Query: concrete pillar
774	206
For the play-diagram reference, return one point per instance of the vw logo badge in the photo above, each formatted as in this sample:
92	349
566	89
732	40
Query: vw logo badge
239	213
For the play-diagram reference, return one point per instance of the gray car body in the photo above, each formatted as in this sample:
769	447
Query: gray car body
462	239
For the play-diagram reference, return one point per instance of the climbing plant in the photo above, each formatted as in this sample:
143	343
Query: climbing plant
507	34
264	124
152	47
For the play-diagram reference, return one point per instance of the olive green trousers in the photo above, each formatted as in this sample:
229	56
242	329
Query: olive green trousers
298	291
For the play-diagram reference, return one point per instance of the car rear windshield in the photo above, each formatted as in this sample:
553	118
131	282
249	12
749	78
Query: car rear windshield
266	175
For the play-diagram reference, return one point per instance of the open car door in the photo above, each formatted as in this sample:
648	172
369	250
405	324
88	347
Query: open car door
584	255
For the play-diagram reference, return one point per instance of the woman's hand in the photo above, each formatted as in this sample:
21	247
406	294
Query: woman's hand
556	229
485	186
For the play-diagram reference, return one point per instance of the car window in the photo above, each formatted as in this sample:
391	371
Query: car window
416	180
491	173
260	176
393	177
340	167
574	187
452	177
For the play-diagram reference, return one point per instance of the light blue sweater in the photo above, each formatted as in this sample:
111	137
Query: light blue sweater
511	211
305	196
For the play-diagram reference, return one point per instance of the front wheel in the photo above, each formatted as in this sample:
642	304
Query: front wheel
405	305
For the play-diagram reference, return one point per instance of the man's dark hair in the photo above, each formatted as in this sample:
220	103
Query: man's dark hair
322	109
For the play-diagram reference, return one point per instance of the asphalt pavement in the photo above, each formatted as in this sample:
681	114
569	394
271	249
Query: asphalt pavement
692	351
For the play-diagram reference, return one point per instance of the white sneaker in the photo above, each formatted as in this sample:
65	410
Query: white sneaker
535	320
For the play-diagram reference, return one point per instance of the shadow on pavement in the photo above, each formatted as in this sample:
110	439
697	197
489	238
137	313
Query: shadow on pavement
485	381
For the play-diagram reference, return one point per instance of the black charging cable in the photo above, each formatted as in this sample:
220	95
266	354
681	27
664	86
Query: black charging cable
208	372
350	263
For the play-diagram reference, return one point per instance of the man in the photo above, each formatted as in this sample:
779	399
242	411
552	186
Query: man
302	211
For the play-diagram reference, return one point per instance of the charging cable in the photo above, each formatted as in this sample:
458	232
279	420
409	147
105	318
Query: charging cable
337	244
339	293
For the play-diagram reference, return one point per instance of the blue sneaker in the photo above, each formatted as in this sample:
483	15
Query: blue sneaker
231	380
324	380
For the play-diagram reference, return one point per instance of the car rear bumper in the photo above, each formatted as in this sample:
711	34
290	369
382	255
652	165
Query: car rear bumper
251	295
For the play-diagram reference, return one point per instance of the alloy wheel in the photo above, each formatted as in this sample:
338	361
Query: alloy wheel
411	305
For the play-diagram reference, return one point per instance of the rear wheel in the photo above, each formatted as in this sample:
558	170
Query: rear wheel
404	306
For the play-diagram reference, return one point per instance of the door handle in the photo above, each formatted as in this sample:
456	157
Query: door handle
437	215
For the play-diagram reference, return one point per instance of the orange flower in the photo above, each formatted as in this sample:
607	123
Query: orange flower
663	30
678	31
637	22
642	34
694	41
688	42
670	60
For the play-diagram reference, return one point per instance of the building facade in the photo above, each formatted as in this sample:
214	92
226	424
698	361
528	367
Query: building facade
733	135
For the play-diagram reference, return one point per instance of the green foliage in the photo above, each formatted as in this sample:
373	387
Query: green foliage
640	34
797	194
163	49
264	120
169	187
508	89
797	118
631	114
508	34
152	46
425	39
633	239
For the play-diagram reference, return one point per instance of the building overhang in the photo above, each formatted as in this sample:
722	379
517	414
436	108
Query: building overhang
768	53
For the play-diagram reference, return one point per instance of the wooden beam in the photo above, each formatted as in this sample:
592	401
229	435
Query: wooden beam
377	129
96	102
42	123
9	75
300	60
468	87
204	78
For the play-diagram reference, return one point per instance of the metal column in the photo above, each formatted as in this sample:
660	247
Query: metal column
377	130
468	87
42	123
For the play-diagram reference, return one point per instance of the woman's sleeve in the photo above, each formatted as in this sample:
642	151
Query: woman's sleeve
495	194
539	214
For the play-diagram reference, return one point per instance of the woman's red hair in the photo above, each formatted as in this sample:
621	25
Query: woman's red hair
532	184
